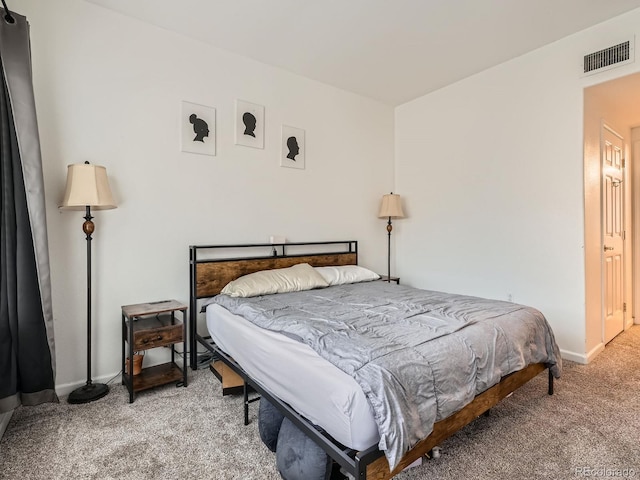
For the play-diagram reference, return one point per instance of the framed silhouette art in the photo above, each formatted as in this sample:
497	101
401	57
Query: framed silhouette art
198	129
249	124
292	150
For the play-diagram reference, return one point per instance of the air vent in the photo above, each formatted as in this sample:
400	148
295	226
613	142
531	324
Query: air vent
608	58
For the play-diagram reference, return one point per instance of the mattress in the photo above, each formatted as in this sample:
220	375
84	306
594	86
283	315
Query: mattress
297	375
418	355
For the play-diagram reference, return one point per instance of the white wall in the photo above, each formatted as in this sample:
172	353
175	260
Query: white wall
108	90
492	172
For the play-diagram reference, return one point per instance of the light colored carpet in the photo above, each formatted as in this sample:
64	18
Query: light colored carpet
592	423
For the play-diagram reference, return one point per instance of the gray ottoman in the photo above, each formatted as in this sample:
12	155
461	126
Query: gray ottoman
298	457
269	421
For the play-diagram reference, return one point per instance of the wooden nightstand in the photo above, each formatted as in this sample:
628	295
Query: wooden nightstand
384	278
152	325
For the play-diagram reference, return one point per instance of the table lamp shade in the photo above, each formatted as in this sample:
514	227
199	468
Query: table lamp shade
391	206
87	186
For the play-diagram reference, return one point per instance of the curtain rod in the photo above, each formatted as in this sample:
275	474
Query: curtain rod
8	16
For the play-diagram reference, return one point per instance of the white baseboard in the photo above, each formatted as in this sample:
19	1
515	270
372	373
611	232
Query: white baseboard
66	388
574	357
4	421
582	357
595	351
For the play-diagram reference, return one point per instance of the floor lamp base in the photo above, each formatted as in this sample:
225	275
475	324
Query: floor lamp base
88	393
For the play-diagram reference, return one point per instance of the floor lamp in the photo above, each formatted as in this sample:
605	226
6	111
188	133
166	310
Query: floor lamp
87	188
391	207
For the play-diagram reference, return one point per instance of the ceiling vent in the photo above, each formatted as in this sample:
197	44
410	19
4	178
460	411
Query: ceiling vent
608	58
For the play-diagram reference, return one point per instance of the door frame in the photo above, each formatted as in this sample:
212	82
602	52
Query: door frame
627	226
634	177
609	102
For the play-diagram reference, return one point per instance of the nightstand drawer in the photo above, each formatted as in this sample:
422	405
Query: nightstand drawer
151	332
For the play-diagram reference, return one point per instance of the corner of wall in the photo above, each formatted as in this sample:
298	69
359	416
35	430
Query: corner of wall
582	358
4	421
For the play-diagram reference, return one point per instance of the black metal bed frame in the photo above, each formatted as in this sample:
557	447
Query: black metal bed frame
352	461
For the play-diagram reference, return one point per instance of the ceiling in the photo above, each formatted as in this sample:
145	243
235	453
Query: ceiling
389	50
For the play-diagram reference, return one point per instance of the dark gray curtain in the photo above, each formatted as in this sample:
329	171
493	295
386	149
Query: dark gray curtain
27	357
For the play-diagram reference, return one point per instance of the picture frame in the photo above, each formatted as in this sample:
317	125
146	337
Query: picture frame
249	124
197	128
292	147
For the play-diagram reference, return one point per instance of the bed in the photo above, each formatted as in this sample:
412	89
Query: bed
353	424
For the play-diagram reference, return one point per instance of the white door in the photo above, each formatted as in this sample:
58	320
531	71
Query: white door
613	232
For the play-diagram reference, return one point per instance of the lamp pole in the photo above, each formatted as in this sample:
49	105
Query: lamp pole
90	391
391	207
389	228
88	227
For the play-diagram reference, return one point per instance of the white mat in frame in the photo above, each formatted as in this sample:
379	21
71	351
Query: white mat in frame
292	151
249	124
197	128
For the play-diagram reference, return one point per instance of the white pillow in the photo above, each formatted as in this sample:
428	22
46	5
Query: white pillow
279	280
346	274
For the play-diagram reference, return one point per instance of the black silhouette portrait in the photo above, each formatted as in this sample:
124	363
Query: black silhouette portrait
200	128
292	145
249	121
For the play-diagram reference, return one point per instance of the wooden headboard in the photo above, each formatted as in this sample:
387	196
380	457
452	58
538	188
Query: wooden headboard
211	267
209	275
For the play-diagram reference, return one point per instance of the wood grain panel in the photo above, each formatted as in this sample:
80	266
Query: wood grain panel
211	277
157	375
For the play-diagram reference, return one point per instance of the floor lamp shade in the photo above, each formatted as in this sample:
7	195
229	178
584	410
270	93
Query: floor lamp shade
390	207
87	188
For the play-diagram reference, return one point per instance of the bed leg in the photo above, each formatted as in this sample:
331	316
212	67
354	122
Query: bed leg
550	383
245	390
360	468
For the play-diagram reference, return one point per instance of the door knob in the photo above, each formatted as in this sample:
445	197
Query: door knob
607	248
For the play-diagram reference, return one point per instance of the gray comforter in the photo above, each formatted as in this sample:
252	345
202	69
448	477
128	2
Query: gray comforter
418	355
